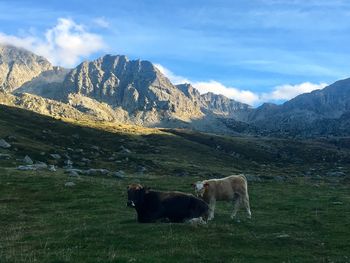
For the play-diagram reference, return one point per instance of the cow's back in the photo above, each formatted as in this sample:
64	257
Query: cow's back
179	206
226	188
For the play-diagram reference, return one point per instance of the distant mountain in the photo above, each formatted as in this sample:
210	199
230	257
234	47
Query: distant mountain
321	112
116	89
47	84
17	66
215	104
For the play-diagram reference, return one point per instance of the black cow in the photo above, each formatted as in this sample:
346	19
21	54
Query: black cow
175	206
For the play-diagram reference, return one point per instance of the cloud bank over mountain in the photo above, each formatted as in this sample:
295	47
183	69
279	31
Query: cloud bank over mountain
65	44
277	94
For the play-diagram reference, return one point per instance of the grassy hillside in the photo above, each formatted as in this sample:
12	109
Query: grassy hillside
303	217
162	151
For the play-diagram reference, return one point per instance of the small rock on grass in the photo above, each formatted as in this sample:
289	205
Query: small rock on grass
28	160
120	174
52	168
73	173
4	156
26	168
4	144
55	156
283	236
69	184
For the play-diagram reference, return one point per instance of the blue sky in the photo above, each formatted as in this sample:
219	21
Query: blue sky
252	51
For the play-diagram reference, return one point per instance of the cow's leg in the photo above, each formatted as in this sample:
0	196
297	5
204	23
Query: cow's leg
247	206
211	209
236	204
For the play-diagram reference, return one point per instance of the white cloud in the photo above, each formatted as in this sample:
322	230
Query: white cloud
101	22
175	79
213	86
64	44
25	42
278	93
287	92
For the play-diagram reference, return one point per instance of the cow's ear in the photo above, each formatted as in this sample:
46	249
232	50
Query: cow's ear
206	185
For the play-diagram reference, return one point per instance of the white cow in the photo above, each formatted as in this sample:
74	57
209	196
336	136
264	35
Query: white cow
232	188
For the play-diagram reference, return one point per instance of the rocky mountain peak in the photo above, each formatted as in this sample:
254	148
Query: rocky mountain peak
17	66
189	91
221	105
133	85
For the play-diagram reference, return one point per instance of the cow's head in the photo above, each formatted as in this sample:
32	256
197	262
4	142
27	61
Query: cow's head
200	188
136	193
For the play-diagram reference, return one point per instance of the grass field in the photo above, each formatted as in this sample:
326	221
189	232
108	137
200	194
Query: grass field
303	218
44	221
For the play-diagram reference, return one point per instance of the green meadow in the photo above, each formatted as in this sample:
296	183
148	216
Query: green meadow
299	212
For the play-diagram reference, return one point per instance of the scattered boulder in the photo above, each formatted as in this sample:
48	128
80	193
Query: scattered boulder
4	156
73	174
141	169
40	165
4	144
279	178
120	174
283	236
33	167
96	172
55	156
69	184
79	150
68	163
336	174
235	155
76	136
337	203
66	156
96	148
27	160
124	150
196	221
52	168
26	168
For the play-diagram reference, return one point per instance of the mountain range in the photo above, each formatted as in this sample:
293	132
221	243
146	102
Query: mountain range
116	89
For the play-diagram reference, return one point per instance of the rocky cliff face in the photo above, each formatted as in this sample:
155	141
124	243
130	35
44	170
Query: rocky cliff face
136	86
48	84
214	104
221	105
17	66
41	105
